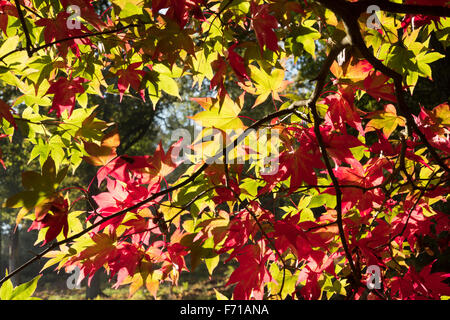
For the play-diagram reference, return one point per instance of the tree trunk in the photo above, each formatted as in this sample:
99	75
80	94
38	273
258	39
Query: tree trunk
13	254
94	290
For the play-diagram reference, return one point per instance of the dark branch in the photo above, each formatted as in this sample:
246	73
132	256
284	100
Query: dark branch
28	46
312	105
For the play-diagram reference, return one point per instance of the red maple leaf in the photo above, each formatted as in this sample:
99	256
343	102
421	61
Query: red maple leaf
360	74
342	111
365	177
141	228
123	261
119	197
56	29
130	77
251	275
6	9
176	253
288	234
87	11
164	163
52	214
65	92
302	164
314	267
372	246
419	20
179	10
126	168
311	289
95	256
263	24
5	112
237	64
419	286
238	231
298	164
339	145
434	124
376	85
411	224
219	67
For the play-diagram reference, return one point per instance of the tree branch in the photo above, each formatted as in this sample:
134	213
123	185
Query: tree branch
312	105
28	46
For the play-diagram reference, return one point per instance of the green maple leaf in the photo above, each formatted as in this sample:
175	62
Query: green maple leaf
216	115
265	84
386	120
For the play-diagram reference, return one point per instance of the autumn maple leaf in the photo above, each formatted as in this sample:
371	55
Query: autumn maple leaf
94	256
263	24
121	196
376	85
419	20
123	261
359	74
237	64
238	232
423	285
339	145
164	163
265	84
125	168
289	235
65	91
141	228
179	10
302	164
341	111
52	214
176	253
103	154
130	77
87	11
435	125
311	289
413	222
251	275
219	67
366	177
223	115
299	165
386	120
56	29
5	113
6	9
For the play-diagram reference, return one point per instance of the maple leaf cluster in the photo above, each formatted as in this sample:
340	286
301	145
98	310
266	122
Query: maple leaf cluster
361	178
